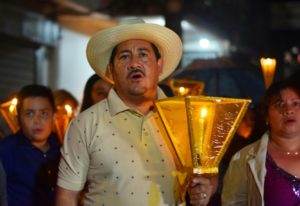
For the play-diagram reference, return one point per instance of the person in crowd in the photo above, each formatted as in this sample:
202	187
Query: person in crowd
95	90
249	130
30	157
267	171
66	109
118	146
63	97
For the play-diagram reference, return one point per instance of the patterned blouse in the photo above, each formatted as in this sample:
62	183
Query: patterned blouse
281	188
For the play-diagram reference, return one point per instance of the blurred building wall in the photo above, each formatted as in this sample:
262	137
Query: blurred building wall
69	67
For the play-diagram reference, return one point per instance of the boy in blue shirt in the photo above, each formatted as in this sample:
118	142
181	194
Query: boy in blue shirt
30	157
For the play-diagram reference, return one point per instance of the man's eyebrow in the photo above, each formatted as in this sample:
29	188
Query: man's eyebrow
139	49
124	51
143	49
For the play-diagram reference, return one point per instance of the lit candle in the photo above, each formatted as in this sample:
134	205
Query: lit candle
200	142
68	108
14	101
268	67
12	107
69	111
181	91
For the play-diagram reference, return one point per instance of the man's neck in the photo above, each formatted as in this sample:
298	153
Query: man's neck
141	104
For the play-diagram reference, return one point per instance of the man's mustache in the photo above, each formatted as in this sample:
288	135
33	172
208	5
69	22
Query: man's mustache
135	70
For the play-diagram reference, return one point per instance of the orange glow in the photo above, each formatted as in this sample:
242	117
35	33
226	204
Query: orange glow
69	110
268	66
9	112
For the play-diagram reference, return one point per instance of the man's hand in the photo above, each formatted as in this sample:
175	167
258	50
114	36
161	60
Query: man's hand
201	188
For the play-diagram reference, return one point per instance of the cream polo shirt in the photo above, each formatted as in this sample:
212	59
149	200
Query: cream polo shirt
122	156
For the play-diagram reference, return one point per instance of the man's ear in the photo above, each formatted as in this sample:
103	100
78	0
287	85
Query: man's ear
109	71
109	74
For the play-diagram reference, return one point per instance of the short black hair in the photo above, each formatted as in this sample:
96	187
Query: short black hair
35	90
113	53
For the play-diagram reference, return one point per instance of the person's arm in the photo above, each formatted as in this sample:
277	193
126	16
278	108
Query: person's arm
201	189
235	182
73	166
66	197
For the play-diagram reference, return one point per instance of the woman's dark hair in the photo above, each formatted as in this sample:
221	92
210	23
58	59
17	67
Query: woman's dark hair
87	93
35	90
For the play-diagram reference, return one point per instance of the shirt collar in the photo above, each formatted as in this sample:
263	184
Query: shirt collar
52	140
116	105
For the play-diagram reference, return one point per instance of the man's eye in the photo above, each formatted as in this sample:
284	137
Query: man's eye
143	54
124	56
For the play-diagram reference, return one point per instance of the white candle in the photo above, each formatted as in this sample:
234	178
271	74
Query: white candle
200	141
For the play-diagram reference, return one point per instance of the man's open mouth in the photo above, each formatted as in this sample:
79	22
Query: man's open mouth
136	74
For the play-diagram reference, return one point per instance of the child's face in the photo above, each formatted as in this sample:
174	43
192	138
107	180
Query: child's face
36	120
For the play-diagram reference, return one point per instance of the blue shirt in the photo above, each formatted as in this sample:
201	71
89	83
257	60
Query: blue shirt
3	198
31	174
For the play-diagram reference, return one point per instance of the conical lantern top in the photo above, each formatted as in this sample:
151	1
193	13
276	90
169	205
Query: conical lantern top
9	112
200	128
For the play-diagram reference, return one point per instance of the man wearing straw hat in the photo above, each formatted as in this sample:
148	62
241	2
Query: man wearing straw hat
116	148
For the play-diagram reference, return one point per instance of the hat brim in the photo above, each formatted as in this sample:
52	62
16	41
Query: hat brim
100	46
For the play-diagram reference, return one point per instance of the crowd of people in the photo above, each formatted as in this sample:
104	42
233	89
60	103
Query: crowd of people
113	152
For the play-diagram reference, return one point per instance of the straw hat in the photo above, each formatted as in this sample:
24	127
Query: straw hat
100	46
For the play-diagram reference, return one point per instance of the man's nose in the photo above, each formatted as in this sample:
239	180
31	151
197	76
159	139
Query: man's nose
135	62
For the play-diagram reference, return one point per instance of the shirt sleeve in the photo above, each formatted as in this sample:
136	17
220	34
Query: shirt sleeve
234	190
74	162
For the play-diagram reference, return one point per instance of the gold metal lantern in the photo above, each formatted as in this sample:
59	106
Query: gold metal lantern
183	87
9	112
200	129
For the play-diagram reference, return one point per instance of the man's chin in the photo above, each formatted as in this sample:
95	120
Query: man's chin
137	91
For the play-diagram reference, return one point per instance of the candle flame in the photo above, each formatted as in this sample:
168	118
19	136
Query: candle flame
11	108
268	67
181	90
68	108
14	101
13	104
203	113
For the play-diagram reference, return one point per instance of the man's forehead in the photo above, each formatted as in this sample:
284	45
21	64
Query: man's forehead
134	43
